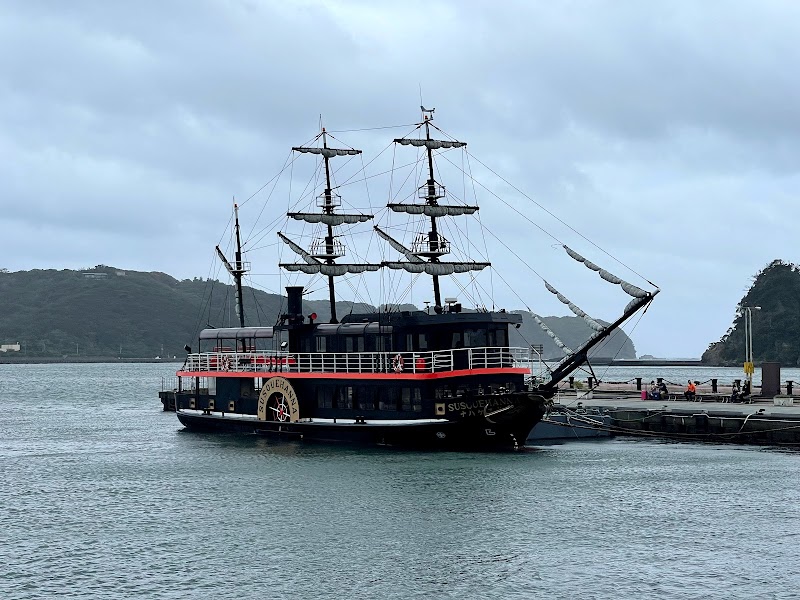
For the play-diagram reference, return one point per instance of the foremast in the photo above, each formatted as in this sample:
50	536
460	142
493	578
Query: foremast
237	269
428	247
322	255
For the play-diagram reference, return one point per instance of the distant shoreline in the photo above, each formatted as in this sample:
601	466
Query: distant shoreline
43	360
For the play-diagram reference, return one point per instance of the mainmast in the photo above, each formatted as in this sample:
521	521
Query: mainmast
328	210
322	255
237	269
428	247
432	199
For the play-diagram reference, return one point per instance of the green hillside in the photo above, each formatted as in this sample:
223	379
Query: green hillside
113	313
776	327
109	312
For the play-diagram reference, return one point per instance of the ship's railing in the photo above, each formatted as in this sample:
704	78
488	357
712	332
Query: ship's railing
360	362
169	384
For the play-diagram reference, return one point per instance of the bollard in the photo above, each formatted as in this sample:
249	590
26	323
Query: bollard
789	387
589	381
571	382
638	384
713	386
659	380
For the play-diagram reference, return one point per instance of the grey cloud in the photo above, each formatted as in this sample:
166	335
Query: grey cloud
126	128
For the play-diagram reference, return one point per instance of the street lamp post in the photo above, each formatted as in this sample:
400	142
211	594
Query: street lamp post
749	367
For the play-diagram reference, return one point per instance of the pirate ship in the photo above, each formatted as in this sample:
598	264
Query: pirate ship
444	377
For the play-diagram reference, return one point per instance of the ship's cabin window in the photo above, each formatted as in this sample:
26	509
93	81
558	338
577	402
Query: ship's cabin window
498	337
422	342
353	343
321	343
345	399
365	397
389	398
324	397
411	399
475	338
457	341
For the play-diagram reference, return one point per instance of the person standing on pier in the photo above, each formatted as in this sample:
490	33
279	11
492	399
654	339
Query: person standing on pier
691	391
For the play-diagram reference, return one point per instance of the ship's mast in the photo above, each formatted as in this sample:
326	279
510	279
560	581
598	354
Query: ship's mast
431	200
326	248
237	269
328	210
424	254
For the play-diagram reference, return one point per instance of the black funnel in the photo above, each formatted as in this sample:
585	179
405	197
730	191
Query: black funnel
295	301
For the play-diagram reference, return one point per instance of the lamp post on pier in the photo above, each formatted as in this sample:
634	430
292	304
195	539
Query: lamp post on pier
749	367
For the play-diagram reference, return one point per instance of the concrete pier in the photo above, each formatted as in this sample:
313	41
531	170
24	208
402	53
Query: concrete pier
762	422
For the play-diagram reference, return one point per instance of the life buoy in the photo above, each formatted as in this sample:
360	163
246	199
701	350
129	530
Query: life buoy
397	364
226	363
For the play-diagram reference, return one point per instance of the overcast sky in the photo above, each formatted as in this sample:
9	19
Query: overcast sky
665	132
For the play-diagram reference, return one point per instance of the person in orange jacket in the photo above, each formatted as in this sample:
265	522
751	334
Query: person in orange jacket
691	391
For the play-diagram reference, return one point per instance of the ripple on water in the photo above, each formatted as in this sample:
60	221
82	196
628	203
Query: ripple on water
104	496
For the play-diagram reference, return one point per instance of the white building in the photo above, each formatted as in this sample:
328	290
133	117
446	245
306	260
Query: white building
10	347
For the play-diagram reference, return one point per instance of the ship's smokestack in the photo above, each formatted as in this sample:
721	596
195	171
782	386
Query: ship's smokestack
295	303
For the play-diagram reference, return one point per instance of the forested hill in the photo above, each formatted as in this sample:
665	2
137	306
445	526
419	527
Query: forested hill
776	327
114	313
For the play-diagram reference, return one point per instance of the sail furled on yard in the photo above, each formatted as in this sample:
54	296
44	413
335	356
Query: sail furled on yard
576	310
314	266
556	340
416	265
297	249
333	219
430	144
438	210
327	152
397	245
627	287
436	268
333	269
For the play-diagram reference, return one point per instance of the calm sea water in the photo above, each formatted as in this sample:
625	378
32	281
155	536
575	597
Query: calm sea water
104	496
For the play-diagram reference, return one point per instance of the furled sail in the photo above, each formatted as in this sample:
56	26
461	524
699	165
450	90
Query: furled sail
433	211
325	269
437	268
432	144
327	152
306	256
315	266
552	335
576	310
398	246
330	219
628	288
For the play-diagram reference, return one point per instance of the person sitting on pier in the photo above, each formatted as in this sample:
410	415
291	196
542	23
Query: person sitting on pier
691	391
736	393
655	393
662	388
745	396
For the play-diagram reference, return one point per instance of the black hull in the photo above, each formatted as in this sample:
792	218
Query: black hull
504	431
